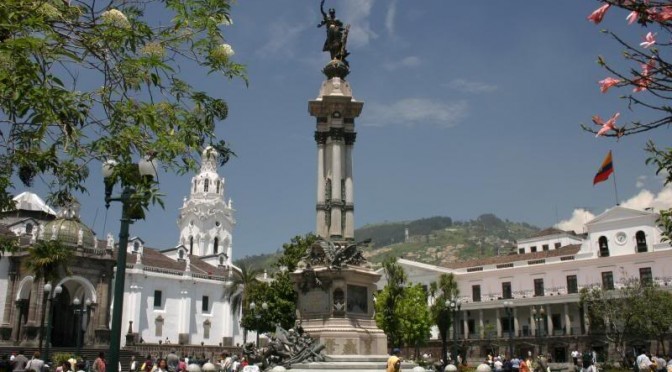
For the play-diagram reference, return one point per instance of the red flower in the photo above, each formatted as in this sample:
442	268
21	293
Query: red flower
598	14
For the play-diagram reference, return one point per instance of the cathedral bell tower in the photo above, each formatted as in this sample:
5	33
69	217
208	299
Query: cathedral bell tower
206	219
335	111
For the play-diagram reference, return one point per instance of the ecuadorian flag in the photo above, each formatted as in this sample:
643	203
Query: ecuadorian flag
605	171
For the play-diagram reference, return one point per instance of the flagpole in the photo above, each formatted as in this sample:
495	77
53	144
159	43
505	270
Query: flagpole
614	178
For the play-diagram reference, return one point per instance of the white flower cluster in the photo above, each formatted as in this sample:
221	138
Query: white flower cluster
115	18
222	52
153	49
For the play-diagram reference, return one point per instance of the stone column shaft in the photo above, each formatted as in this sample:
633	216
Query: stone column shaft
549	320
320	224
481	330
349	232
9	301
516	326
498	320
335	230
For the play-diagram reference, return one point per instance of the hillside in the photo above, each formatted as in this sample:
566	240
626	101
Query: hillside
434	240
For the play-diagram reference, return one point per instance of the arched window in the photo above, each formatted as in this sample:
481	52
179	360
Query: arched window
136	246
604	246
221	260
195	183
191	245
206	183
217	183
29	228
640	238
215	246
180	254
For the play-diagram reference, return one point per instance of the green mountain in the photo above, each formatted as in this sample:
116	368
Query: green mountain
434	240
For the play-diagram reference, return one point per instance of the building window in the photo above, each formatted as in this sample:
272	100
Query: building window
533	249
221	261
640	238
476	293
572	284
191	245
604	246
506	290
607	280
136	246
539	287
205	304
206	184
545	247
471	326
157	298
195	183
521	250
217	185
29	228
558	245
180	254
645	276
215	246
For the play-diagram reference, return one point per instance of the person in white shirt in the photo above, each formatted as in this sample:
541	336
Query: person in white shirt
643	362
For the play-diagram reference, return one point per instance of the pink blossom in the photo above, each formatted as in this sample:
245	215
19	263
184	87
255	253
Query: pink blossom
606	127
643	82
649	40
608	83
632	17
660	15
598	14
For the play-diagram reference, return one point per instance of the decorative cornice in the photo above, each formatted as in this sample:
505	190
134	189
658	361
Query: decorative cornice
336	134
350	138
321	137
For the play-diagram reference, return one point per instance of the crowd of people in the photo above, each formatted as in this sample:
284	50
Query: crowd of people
18	362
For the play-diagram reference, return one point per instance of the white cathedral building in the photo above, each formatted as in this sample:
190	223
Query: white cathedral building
541	281
182	295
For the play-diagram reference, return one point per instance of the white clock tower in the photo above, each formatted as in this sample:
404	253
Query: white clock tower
206	219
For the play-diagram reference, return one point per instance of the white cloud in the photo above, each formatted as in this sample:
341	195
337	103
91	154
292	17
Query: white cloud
390	16
646	199
409	61
643	200
282	39
467	86
417	111
640	182
576	222
356	13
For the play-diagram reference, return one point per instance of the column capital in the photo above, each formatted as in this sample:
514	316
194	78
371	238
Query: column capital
350	138
321	137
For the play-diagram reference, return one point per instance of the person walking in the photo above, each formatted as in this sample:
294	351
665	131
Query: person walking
35	364
99	363
19	362
393	362
172	361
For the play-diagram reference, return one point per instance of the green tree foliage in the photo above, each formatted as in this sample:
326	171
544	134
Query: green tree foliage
82	82
388	302
442	292
631	311
645	83
280	298
49	260
294	251
414	317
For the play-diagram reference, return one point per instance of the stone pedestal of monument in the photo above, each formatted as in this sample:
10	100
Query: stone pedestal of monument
335	302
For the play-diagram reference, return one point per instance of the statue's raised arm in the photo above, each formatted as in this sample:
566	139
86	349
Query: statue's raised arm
324	14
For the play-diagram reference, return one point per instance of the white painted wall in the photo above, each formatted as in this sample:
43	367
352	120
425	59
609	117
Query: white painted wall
4	287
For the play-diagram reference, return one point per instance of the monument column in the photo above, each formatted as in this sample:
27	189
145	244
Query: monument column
336	229
349	228
320	223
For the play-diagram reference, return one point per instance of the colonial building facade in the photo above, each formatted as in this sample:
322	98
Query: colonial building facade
541	284
181	295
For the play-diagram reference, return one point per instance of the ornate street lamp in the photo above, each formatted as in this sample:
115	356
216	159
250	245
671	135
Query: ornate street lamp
455	306
79	312
257	316
50	309
539	319
131	210
508	307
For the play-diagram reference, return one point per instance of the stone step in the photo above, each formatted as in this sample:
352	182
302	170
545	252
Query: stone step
339	363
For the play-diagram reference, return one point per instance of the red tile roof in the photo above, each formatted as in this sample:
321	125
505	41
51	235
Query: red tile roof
567	250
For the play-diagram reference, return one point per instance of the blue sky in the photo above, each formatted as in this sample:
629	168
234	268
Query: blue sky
470	108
